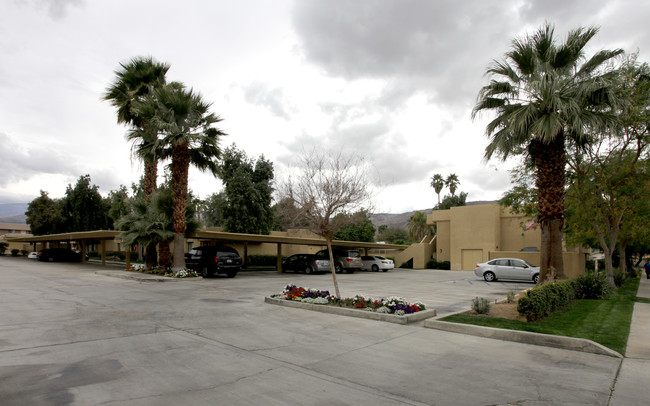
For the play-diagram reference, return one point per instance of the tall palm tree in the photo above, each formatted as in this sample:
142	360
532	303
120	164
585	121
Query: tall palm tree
452	183
545	95
437	183
188	137
133	83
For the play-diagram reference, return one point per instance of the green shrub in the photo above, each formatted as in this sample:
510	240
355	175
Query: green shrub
592	286
481	305
619	278
545	299
408	264
24	252
434	264
14	252
262	260
3	247
590	264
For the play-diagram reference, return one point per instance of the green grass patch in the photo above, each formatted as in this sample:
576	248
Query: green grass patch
605	321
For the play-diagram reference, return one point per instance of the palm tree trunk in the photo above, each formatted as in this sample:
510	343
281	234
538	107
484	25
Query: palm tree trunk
550	161
179	168
150	186
165	255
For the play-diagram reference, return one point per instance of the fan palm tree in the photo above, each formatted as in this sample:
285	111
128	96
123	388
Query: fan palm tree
544	95
188	137
437	183
133	83
452	183
418	226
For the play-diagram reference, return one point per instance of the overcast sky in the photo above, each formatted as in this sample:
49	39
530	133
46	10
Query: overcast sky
393	81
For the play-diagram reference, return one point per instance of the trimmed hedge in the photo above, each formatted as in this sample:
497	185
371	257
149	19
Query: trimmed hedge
262	260
543	300
434	264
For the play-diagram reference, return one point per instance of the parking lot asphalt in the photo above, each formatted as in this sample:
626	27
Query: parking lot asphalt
75	334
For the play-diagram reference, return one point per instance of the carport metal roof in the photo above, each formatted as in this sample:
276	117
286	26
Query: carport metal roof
211	236
104	235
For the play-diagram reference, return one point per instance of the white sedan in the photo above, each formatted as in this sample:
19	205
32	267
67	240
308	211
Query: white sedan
33	255
507	268
375	263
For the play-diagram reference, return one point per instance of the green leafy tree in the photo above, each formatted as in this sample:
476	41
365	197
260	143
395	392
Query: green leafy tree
188	138
118	201
83	207
393	235
45	215
248	193
545	95
418	227
450	201
437	183
213	207
356	227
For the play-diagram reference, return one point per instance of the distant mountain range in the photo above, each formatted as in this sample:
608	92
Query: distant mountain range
13	213
401	220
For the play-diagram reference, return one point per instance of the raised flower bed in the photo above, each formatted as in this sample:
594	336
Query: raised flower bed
393	309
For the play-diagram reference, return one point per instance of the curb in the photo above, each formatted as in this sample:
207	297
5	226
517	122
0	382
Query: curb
136	276
524	337
342	311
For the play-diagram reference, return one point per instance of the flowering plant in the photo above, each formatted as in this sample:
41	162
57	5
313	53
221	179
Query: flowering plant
393	305
185	273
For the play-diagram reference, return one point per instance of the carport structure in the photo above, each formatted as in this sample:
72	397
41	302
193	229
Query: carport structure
206	238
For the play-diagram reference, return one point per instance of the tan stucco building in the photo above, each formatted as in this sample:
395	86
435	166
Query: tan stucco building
467	235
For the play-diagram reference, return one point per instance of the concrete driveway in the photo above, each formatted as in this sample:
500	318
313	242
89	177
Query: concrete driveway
71	336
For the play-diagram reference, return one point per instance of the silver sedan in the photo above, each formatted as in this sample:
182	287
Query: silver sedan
507	268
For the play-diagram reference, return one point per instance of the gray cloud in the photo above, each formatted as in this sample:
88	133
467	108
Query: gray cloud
440	48
375	140
19	163
56	9
260	94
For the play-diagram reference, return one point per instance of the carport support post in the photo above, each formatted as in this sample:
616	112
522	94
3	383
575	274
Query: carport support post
279	261
84	246
128	257
103	244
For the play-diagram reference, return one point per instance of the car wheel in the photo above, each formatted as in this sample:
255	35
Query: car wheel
205	272
308	270
375	268
231	274
489	277
536	278
338	268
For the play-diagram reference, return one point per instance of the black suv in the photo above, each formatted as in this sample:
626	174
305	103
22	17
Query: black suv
212	259
344	260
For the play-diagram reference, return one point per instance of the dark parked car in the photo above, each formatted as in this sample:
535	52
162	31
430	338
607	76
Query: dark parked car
307	263
210	260
344	260
59	255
